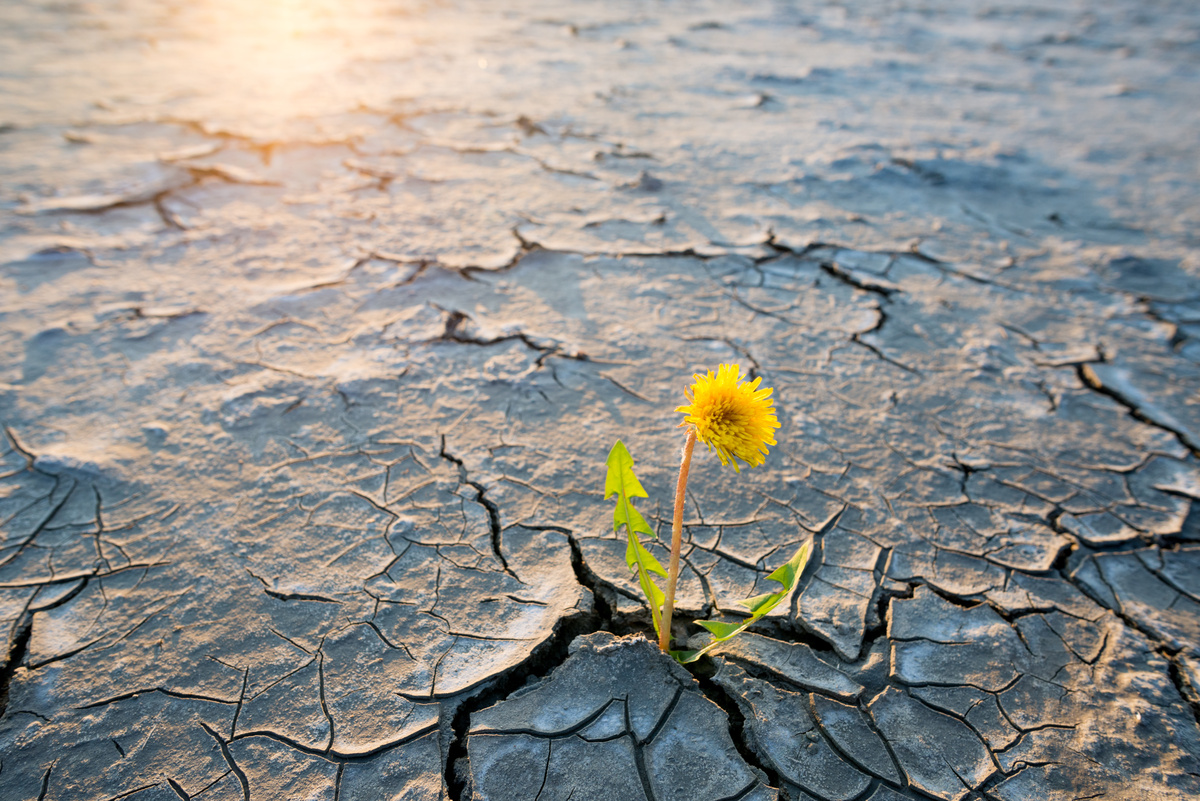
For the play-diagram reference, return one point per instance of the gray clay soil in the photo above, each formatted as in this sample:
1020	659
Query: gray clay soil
317	321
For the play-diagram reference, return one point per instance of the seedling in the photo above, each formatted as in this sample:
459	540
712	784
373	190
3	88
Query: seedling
737	420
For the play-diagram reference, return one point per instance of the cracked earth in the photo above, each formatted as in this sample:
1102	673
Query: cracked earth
318	320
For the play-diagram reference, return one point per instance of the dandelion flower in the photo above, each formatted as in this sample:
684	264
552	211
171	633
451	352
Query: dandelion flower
733	417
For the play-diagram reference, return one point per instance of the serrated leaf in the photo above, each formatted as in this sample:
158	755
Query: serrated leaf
621	481
636	551
631	515
652	592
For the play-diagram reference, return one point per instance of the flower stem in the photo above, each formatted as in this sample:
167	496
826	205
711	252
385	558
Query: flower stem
685	463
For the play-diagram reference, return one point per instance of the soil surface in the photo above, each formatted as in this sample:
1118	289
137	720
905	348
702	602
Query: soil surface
318	319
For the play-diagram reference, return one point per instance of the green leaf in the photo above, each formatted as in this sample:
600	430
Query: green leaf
636	552
683	657
759	601
621	481
653	594
786	574
722	631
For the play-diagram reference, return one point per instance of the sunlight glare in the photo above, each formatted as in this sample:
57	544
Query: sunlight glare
275	59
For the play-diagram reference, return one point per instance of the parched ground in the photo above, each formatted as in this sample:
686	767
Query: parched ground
317	321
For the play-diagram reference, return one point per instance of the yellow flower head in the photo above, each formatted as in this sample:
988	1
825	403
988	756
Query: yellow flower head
732	417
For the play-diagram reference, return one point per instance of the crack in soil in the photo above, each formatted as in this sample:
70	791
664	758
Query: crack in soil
22	629
543	660
703	671
1092	381
493	511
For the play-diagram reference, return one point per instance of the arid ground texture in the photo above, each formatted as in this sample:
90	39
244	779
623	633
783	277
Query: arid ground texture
318	320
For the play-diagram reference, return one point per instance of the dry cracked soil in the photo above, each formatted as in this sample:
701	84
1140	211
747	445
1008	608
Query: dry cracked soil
317	320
